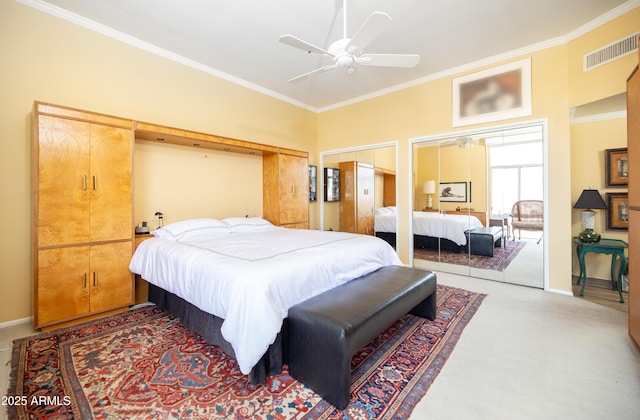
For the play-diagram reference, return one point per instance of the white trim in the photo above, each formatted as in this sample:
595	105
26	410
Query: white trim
560	292
20	321
598	117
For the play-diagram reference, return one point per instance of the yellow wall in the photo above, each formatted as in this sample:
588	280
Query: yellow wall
48	59
425	110
588	143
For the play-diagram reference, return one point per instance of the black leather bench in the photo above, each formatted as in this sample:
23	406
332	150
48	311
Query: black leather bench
327	330
482	240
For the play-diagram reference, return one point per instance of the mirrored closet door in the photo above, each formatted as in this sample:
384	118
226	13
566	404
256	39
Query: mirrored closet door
478	204
357	184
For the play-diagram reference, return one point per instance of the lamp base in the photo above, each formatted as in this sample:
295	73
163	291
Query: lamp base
589	236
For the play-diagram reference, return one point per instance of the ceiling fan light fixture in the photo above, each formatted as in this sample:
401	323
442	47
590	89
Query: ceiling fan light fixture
347	52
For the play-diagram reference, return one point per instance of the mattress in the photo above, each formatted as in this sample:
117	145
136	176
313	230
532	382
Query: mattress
434	224
251	279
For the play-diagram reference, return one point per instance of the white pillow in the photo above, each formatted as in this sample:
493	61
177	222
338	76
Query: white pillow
247	224
192	228
383	210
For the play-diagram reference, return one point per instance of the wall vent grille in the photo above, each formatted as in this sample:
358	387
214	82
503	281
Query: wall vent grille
611	52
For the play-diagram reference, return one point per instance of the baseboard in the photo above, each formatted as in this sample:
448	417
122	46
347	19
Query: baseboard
560	292
16	322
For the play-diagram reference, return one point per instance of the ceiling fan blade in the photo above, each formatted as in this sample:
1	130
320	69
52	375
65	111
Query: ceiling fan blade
370	29
312	72
292	41
388	60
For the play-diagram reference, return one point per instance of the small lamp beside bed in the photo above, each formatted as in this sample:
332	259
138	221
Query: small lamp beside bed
428	188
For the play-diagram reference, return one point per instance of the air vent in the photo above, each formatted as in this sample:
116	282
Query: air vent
611	52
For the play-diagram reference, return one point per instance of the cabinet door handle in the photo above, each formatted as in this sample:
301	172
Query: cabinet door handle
95	182
84	280
84	182
95	278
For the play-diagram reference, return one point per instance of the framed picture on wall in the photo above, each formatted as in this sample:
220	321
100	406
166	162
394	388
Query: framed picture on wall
313	175
331	184
617	211
453	192
495	94
616	167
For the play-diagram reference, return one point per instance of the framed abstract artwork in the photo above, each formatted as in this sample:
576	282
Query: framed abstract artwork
495	94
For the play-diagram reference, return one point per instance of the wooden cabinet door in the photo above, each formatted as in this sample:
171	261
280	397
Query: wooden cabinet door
294	189
366	198
63	284
62	184
111	282
110	183
348	197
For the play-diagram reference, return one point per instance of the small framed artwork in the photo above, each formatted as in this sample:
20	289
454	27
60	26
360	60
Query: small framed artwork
616	167
313	181
453	192
617	211
495	94
331	184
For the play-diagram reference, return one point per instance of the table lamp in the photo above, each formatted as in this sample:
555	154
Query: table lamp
429	187
589	199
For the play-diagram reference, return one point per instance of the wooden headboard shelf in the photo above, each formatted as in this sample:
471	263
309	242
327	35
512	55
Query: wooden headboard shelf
159	133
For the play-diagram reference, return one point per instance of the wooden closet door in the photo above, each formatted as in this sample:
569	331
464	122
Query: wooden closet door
63	284
110	183
111	282
294	189
62	181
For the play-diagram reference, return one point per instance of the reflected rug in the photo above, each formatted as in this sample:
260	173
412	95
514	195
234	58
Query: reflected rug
144	364
501	259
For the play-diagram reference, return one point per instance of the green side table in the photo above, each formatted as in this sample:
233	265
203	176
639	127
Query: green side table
613	247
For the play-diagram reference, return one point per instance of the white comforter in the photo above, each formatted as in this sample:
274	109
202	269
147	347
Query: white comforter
252	279
448	226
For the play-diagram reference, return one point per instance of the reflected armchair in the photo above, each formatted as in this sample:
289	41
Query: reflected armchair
527	215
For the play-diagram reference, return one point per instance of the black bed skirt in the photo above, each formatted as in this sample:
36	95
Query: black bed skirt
425	242
208	326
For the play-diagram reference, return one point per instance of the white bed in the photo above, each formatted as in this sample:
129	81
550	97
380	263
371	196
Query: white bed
431	224
249	272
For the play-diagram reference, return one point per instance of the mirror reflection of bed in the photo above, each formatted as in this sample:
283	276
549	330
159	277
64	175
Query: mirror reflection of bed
497	167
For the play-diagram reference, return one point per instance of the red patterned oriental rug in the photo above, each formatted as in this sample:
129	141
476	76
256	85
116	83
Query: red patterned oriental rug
501	259
145	364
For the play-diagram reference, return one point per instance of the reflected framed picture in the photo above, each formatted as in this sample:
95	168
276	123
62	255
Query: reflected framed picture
331	184
313	175
617	211
453	192
494	94
616	167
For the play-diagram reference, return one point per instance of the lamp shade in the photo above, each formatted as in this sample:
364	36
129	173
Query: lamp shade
590	199
429	187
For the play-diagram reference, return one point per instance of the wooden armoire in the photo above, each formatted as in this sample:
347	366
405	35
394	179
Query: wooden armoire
82	214
357	201
633	143
286	188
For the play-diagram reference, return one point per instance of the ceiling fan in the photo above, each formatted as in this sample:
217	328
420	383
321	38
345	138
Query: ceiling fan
347	52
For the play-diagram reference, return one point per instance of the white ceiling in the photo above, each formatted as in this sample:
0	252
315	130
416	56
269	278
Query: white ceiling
238	39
